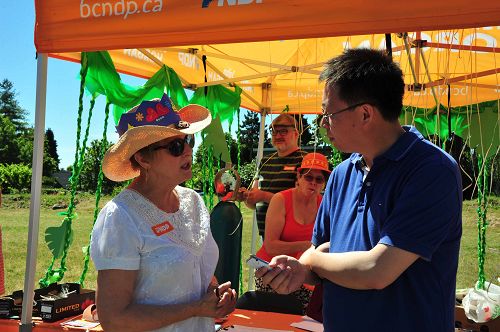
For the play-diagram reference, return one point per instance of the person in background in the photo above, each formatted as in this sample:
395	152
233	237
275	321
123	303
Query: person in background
152	245
387	236
278	171
290	218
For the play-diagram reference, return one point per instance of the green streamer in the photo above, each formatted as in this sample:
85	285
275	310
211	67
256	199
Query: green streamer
55	275
204	169
100	179
482	222
211	178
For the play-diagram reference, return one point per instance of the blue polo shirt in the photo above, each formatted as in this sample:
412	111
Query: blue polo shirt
410	199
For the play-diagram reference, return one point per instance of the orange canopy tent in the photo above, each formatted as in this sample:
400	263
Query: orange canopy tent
282	45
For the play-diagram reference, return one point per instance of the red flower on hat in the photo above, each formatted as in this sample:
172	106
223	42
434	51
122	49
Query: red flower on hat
155	114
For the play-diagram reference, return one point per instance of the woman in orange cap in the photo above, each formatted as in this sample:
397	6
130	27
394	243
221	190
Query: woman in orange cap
152	245
291	215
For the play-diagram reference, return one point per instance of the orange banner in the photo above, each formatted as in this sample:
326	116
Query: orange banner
87	25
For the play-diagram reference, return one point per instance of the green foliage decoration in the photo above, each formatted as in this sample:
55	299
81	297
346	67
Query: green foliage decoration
55	238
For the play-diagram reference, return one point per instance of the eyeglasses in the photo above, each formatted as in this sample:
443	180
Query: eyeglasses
317	179
176	147
331	116
281	131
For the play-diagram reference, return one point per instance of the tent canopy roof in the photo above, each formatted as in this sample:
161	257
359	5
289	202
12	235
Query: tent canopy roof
91	25
253	43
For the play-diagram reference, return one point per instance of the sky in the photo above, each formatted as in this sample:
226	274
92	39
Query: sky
19	65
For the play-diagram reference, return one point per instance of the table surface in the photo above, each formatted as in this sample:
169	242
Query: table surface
262	319
270	320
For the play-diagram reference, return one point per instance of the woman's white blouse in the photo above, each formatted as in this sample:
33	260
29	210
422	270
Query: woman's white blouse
174	253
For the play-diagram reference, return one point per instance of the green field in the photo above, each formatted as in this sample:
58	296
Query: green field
14	217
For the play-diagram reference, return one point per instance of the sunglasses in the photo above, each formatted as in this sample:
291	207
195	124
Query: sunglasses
281	131
317	179
176	147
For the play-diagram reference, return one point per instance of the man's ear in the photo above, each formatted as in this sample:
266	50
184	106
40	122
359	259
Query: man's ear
368	112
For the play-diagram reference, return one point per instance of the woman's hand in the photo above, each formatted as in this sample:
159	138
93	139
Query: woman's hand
286	275
218	302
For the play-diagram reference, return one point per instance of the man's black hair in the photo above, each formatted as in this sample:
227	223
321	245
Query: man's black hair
366	75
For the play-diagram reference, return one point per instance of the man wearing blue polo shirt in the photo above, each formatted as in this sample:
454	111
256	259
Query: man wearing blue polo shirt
387	234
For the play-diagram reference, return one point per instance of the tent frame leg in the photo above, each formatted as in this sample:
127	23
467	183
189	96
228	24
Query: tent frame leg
26	324
260	152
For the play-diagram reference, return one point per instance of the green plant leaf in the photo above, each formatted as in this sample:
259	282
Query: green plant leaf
55	237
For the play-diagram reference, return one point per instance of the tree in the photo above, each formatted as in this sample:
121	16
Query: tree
249	137
10	108
91	167
306	137
8	142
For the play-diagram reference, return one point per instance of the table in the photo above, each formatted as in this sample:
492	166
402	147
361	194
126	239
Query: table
270	320
251	318
262	319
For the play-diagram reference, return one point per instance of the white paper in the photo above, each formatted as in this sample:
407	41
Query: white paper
309	324
80	324
241	328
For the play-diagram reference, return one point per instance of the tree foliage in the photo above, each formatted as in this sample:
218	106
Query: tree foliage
15	178
91	167
8	141
51	146
249	137
9	106
16	137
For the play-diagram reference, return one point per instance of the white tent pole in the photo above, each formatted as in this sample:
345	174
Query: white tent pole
255	230
36	192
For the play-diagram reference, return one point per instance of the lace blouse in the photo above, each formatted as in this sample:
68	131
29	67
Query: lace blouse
174	253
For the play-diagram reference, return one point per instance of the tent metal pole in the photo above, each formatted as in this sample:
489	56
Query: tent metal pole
412	67
36	193
244	78
260	153
456	80
428	76
243	92
159	63
246	61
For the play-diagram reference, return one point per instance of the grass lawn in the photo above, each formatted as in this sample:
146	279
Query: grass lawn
14	218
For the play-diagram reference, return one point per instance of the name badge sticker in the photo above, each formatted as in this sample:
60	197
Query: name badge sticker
163	228
289	168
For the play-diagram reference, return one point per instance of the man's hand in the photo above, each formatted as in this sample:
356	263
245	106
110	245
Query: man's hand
286	275
256	195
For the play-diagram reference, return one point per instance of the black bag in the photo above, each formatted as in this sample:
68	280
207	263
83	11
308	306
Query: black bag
315	307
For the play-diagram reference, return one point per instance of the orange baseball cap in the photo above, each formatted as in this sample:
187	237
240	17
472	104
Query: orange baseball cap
314	160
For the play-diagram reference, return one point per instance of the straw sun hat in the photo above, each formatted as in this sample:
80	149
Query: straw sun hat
148	123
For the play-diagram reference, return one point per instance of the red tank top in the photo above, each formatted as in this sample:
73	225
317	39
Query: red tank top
292	230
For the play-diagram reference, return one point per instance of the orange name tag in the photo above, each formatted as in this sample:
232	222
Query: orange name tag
162	228
289	168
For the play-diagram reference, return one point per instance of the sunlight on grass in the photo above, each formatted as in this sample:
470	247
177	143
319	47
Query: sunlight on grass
14	215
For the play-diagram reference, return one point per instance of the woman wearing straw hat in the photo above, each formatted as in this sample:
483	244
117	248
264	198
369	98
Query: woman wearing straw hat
291	215
152	244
